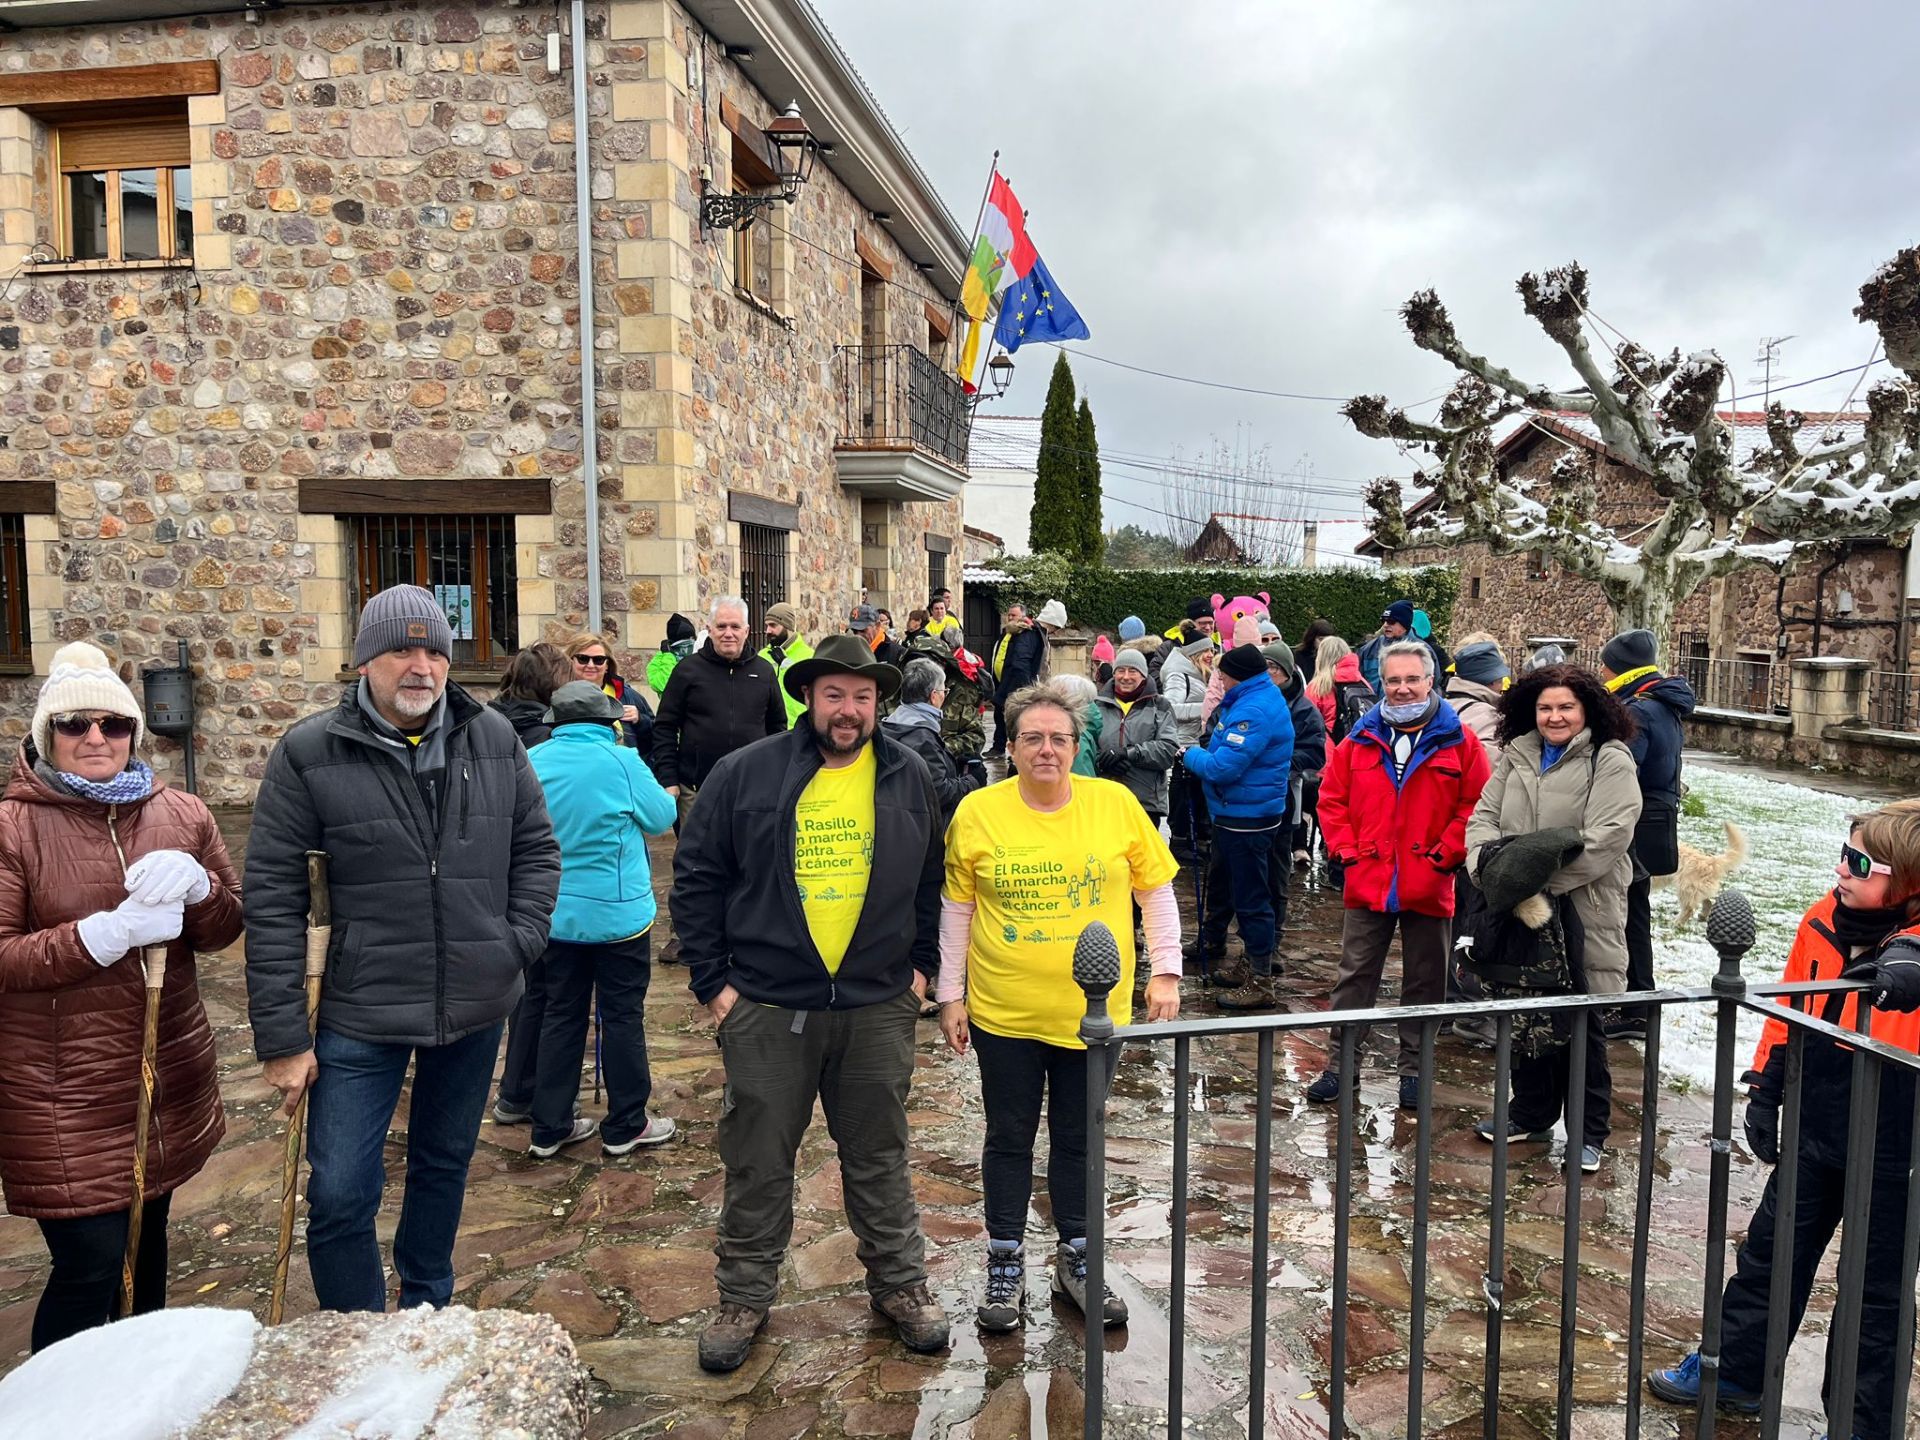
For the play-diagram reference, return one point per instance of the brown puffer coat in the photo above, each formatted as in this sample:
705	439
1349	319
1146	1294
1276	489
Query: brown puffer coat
70	1030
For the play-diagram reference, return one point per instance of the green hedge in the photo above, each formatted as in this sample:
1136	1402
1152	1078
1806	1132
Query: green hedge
1100	598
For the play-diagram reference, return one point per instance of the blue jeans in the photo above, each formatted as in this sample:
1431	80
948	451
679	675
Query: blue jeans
352	1103
1249	865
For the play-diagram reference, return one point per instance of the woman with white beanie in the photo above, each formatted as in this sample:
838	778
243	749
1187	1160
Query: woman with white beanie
99	860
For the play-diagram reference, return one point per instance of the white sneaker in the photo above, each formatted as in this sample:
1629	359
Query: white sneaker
583	1129
659	1130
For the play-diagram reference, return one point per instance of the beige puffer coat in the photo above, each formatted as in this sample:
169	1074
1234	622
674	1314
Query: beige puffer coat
1596	794
1478	707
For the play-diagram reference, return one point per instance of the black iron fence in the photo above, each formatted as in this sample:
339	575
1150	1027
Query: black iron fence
1731	930
894	396
1755	684
1893	700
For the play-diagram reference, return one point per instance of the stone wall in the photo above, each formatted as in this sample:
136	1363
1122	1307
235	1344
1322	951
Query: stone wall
384	287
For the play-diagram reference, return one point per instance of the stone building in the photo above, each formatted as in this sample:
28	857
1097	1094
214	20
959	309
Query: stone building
289	305
1849	598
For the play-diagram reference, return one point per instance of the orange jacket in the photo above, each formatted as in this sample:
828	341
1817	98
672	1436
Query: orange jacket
1819	954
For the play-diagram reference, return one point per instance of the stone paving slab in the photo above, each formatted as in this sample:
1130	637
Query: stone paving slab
619	1251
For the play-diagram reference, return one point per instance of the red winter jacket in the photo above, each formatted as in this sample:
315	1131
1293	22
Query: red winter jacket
1402	842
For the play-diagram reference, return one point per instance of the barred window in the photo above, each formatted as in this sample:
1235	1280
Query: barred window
763	573
16	636
467	561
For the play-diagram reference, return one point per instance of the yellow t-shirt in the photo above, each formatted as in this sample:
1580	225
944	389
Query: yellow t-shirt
833	853
943	624
1035	881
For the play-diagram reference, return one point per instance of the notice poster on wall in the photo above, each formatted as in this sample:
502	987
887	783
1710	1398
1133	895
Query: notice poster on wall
457	602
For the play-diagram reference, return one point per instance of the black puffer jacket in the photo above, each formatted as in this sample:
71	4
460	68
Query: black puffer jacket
435	915
528	718
736	905
711	708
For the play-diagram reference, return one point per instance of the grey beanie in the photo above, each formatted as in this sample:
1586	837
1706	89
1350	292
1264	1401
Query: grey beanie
1130	659
1482	664
399	617
1630	650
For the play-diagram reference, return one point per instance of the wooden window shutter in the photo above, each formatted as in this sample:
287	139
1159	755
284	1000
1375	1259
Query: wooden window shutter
125	142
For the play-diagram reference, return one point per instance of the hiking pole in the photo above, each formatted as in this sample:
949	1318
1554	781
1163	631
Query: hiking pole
156	976
319	937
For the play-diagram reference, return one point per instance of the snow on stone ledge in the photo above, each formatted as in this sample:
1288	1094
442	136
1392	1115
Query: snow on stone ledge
199	1374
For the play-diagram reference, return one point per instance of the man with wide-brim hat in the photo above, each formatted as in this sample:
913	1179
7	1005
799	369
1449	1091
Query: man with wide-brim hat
806	896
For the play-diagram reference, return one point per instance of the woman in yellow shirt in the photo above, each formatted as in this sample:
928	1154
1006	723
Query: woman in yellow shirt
1030	863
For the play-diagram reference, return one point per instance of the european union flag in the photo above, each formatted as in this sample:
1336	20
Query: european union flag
1035	309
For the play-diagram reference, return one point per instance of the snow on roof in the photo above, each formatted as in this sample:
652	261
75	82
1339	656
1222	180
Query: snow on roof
1003	442
1822	429
982	575
1272	539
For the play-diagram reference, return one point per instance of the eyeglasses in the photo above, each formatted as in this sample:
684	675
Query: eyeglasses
112	727
1861	865
589	659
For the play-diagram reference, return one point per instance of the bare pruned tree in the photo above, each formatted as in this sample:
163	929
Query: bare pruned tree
1813	482
1264	510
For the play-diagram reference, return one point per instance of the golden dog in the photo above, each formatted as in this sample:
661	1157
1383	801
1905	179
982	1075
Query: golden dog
1700	876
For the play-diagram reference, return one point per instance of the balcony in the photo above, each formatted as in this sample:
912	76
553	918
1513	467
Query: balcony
902	424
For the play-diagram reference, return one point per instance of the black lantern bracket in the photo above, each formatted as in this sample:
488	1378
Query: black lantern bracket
791	152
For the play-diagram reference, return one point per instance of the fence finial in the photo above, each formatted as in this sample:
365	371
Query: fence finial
1731	933
1096	970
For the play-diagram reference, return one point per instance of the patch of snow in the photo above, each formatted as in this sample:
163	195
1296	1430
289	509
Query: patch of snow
143	1378
1794	835
396	1401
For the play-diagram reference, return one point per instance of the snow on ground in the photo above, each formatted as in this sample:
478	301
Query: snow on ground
145	1378
1794	835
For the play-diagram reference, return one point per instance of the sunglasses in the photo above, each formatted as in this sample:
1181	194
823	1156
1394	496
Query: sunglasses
1861	865
112	727
589	659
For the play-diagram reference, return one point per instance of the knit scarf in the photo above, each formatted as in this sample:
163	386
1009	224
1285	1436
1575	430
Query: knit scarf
133	783
1860	929
1410	717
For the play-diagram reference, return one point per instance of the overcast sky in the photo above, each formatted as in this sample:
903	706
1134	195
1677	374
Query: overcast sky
1244	191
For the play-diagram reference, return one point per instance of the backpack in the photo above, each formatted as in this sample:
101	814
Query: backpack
1351	700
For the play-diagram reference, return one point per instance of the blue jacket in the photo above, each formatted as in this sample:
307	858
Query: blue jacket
1246	761
1660	705
604	802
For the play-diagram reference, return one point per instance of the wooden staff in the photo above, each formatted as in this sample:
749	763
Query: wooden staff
156	977
319	936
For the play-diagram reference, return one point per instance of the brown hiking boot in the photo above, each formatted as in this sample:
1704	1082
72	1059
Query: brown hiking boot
920	1321
1230	971
728	1336
1255	993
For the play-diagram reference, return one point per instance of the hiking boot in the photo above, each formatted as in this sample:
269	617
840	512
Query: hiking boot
1070	1281
1623	1025
916	1316
584	1128
1515	1131
728	1336
1231	973
1255	993
1326	1089
659	1130
1409	1092
1681	1386
1479	1032
1004	1302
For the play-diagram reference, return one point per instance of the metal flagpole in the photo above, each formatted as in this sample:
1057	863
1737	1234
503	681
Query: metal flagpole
993	169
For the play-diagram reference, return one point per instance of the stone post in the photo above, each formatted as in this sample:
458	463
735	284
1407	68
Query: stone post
1828	690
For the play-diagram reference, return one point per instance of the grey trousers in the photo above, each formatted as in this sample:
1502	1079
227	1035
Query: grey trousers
858	1063
1365	936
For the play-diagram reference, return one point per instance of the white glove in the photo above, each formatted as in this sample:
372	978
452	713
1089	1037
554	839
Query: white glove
164	876
111	935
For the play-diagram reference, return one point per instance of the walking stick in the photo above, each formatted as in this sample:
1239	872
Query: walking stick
319	934
156	977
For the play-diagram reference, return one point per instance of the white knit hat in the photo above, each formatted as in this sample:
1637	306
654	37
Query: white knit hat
84	679
1052	613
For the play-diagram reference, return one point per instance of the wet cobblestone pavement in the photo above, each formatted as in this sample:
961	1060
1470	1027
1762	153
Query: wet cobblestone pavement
619	1250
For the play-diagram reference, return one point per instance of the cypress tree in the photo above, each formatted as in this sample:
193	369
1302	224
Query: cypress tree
1054	525
1093	539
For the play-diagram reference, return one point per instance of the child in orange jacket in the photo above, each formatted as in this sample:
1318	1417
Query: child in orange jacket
1867	928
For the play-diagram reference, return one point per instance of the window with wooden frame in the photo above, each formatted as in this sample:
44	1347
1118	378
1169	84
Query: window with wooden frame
16	629
753	253
467	561
124	184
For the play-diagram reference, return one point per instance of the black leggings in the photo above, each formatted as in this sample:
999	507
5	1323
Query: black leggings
1014	1076
84	1289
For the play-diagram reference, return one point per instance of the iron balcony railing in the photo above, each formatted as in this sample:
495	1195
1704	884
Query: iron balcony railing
894	396
1893	700
1755	684
1728	994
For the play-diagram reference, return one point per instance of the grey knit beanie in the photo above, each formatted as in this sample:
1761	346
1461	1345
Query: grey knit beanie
398	618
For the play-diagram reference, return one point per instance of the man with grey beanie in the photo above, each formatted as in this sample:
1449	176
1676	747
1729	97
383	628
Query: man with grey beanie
442	873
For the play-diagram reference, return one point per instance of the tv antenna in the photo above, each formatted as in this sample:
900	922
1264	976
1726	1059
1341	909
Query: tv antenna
1767	359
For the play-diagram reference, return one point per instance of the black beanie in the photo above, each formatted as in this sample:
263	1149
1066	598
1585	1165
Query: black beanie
1243	662
1199	608
1630	650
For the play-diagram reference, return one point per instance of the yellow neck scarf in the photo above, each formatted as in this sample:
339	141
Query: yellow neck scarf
1620	682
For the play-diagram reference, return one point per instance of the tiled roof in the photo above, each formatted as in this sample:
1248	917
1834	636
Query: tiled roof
1003	442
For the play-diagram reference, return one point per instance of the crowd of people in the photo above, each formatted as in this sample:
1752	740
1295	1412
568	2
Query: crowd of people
846	865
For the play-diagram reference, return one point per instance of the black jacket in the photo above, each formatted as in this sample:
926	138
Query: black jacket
528	718
918	728
1309	730
436	911
712	708
1660	706
736	906
1025	652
